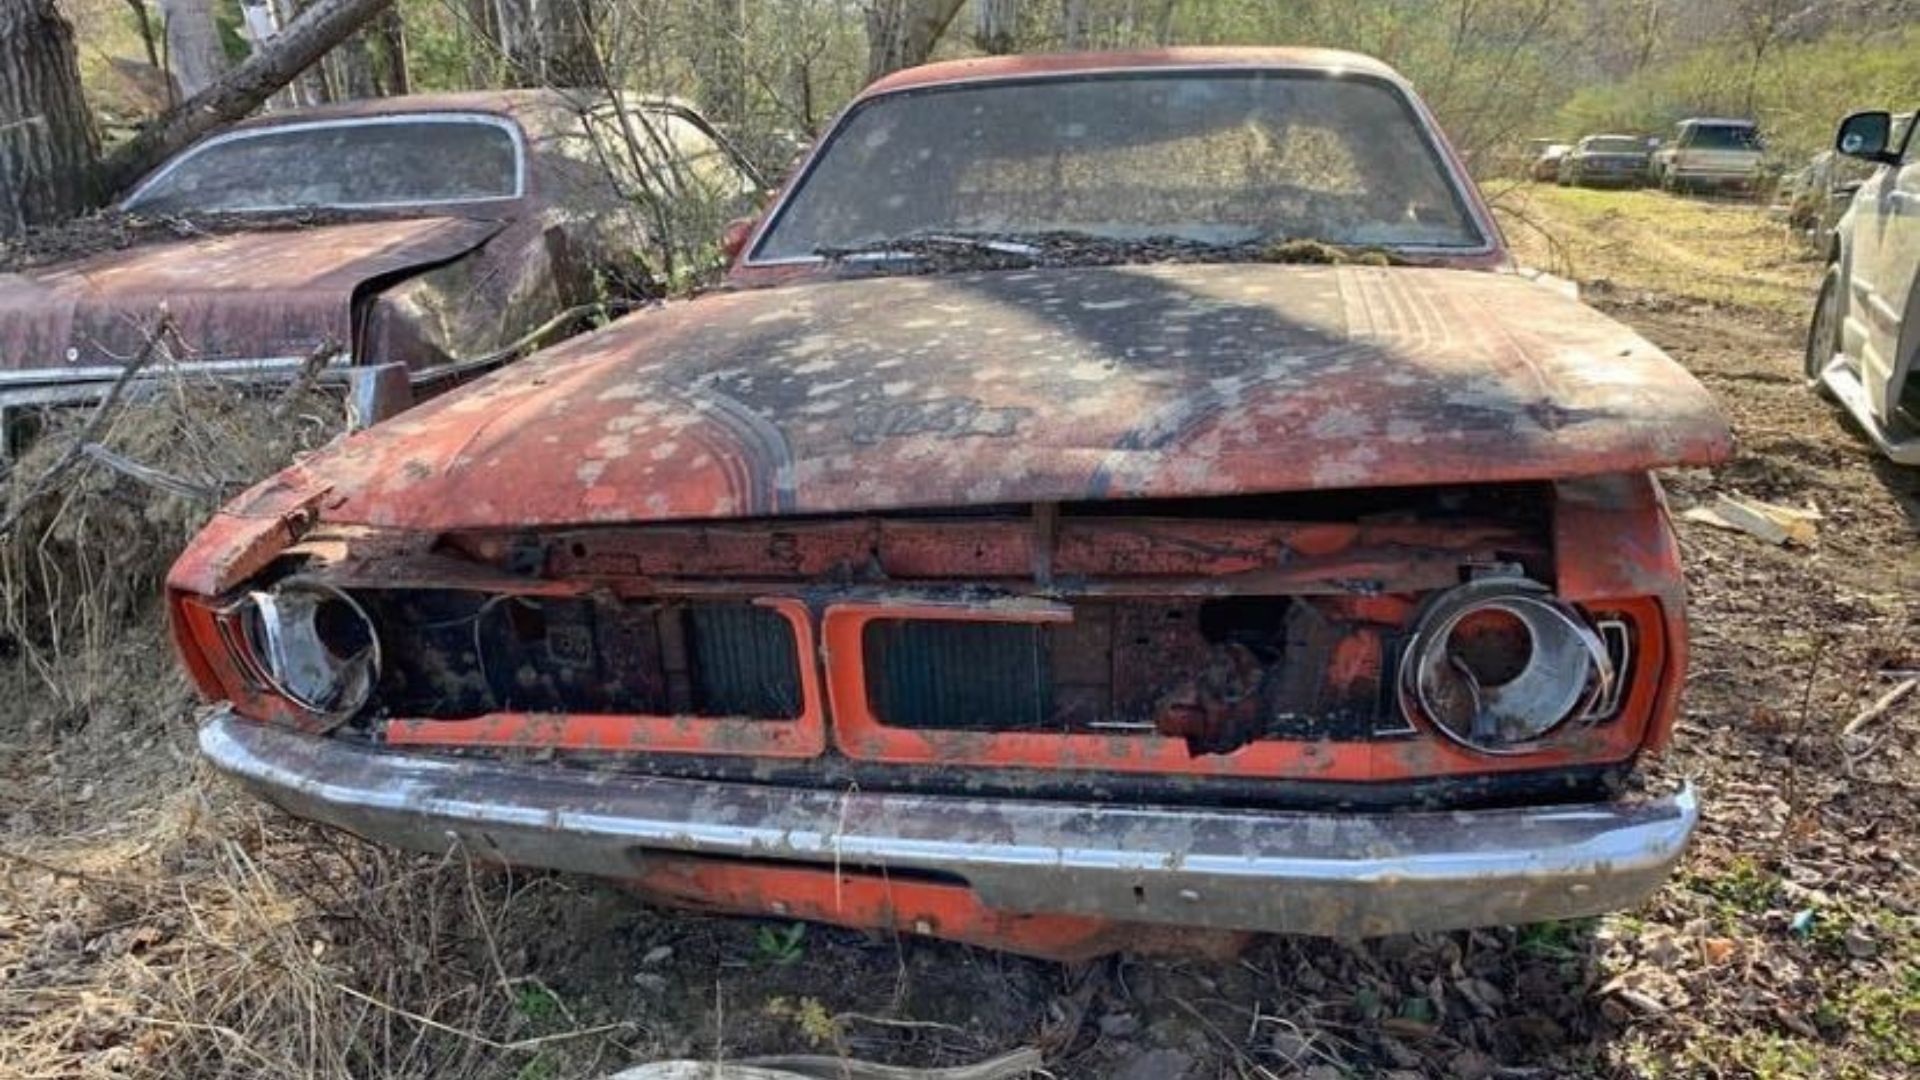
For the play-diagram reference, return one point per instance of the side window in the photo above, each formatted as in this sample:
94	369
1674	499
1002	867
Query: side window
661	152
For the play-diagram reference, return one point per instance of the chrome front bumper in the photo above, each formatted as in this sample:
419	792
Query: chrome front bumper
1335	874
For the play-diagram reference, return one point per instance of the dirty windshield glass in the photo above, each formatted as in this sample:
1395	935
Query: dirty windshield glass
340	164
1215	158
1615	146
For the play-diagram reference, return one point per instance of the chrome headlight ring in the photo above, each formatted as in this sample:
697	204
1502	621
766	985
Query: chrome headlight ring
1498	664
313	645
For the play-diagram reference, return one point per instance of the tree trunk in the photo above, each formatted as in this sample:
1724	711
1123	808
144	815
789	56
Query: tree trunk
1074	25
48	145
311	86
902	33
392	31
350	67
144	24
533	43
996	26
194	55
723	72
481	38
324	24
564	43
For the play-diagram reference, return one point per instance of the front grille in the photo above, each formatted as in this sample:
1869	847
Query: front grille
960	676
1221	673
449	654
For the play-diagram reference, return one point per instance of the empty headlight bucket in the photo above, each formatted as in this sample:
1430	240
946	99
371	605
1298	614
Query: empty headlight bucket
1499	663
313	645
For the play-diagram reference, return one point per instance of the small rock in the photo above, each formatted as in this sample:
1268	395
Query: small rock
1119	1025
1470	1065
1291	1046
1860	945
659	954
1400	1053
1156	1065
648	982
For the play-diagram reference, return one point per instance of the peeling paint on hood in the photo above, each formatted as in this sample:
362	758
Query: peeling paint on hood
243	295
1024	386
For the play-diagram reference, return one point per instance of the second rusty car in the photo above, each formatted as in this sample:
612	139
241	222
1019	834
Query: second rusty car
1118	492
407	243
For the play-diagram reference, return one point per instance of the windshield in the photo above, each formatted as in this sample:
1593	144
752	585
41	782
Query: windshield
1723	137
1616	146
1214	158
343	164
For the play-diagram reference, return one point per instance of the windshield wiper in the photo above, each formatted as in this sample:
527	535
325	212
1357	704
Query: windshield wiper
934	245
1073	247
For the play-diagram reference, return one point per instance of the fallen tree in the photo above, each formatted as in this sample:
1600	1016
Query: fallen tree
320	27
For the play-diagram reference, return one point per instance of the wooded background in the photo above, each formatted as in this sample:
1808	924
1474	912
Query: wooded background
775	71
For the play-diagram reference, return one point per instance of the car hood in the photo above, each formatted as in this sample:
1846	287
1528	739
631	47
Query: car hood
238	296
1032	386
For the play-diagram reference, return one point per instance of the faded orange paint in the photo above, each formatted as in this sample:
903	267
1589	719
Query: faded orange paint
871	901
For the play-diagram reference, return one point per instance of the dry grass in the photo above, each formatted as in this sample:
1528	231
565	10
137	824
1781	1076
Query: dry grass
90	543
1712	250
221	940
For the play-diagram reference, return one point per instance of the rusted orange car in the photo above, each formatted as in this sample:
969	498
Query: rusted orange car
1119	494
411	243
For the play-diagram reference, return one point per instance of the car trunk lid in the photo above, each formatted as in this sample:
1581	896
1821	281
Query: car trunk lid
244	296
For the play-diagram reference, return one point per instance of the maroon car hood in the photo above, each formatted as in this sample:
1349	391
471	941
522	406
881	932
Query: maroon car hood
248	295
1032	386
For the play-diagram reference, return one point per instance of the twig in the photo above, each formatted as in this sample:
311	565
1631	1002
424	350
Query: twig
164	328
926	1025
1020	1062
76	875
1880	707
148	475
310	370
476	1037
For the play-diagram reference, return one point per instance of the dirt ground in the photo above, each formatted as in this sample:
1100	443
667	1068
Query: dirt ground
155	923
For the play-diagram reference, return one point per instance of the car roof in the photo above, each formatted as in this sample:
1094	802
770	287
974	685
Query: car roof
1331	61
508	103
1721	121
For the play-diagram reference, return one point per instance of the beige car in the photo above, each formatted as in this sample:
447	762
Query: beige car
1866	324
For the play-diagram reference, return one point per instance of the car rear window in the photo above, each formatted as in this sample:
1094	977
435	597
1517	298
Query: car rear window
1723	137
344	164
1214	157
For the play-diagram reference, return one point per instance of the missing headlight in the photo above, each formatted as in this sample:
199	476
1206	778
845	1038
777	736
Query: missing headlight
313	645
1498	664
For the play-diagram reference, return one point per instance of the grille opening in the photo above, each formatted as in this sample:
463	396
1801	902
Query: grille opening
452	654
1219	672
963	676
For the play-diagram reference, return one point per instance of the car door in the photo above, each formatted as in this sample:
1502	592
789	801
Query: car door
1881	330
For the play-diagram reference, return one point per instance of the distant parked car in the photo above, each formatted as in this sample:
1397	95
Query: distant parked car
1606	160
1710	154
426	238
1815	197
1865	337
1547	165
